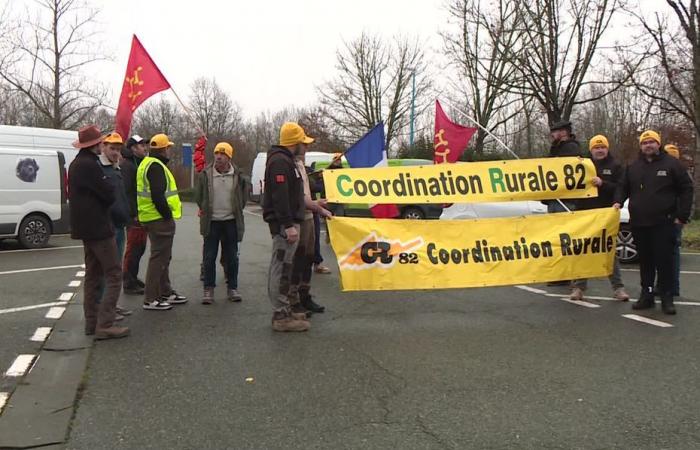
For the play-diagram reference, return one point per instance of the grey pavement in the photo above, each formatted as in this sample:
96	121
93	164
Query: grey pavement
480	368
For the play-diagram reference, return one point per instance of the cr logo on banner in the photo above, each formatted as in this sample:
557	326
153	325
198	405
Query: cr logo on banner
374	251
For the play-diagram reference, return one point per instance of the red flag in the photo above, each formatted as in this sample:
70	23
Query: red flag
451	139
143	79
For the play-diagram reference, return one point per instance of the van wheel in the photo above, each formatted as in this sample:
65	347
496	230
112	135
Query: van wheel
34	232
413	213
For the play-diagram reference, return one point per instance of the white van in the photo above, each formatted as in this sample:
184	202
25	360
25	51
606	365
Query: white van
258	174
40	139
33	195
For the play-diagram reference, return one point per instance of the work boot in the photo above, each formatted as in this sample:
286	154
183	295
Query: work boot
299	311
234	296
646	301
133	289
621	295
283	322
112	332
307	301
667	305
140	283
208	297
576	294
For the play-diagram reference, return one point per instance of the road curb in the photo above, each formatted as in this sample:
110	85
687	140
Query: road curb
40	409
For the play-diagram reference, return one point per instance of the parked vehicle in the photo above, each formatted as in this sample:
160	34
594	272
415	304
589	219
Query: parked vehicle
626	249
40	139
410	211
258	172
33	195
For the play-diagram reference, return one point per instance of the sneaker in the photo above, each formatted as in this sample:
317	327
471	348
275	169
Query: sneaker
133	290
208	297
123	311
576	294
286	322
118	317
157	305
319	268
621	295
112	332
174	298
234	296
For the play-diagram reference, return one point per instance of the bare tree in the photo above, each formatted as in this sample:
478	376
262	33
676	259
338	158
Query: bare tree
374	83
161	116
475	48
45	60
556	50
214	110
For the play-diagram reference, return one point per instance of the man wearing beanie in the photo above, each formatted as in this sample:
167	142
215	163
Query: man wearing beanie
221	195
660	193
608	177
136	236
283	210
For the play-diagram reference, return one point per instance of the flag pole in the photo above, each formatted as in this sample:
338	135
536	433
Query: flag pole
188	112
467	116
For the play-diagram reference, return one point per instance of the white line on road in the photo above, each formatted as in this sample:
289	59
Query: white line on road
41	249
20	366
531	289
41	334
657	323
39	269
80	273
252	213
4	396
579	302
55	312
74	283
28	308
687	272
66	296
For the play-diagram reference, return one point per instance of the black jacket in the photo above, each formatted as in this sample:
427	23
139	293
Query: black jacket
566	148
119	211
611	172
659	190
129	166
283	201
91	195
159	184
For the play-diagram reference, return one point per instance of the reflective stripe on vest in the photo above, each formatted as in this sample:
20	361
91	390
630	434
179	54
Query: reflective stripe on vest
146	208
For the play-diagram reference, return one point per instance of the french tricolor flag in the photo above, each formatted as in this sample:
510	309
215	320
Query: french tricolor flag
369	152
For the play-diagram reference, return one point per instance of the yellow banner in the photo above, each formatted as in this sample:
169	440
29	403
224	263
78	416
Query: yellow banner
524	179
381	254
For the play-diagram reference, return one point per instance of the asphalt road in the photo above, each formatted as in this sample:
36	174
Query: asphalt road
481	368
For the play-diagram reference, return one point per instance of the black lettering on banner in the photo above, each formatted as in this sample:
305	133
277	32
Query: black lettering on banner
408	258
373	251
581	181
569	180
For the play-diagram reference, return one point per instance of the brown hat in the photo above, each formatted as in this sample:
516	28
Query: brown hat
88	136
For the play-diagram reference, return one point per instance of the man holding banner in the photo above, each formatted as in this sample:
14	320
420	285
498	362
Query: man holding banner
660	193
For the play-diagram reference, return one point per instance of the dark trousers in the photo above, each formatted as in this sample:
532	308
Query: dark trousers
318	258
303	261
136	238
102	264
226	233
655	245
161	233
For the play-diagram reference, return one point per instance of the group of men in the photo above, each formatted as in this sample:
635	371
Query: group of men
120	193
660	193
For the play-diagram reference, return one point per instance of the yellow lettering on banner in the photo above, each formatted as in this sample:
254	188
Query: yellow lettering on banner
526	179
384	254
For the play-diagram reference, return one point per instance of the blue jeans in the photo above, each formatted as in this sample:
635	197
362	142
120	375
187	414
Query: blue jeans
226	233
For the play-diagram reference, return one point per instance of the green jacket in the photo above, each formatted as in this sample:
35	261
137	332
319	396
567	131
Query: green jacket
204	199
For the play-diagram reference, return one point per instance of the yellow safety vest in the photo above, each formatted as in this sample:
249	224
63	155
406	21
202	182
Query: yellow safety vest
147	209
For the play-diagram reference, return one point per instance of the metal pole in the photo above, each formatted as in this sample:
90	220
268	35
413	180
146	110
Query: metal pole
413	106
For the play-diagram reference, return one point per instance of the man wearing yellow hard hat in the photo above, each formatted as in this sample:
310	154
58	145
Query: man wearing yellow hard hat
220	193
158	206
660	193
283	210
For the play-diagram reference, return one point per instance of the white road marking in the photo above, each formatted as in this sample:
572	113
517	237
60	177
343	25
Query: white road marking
687	272
20	366
41	334
252	213
657	323
55	312
39	269
579	302
4	396
27	308
41	249
531	289
591	297
66	296
74	283
80	273
690	253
